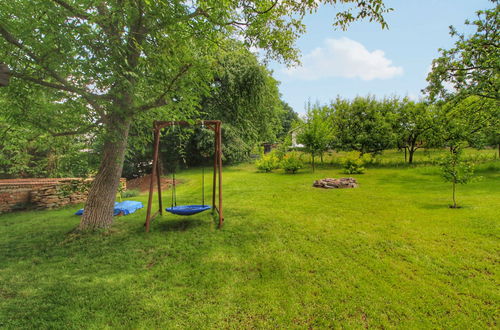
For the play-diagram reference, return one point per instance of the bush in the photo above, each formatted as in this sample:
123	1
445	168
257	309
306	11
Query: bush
267	162
291	162
130	193
353	162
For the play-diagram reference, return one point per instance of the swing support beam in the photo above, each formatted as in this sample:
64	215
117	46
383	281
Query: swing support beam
214	125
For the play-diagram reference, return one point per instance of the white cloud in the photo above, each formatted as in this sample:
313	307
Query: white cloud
345	58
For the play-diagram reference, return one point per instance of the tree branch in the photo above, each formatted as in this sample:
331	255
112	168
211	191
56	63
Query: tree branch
260	12
75	132
136	37
160	100
72	10
41	82
44	83
63	82
111	30
14	41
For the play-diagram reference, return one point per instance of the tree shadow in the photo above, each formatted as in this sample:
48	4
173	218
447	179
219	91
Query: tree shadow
442	206
434	206
103	279
183	224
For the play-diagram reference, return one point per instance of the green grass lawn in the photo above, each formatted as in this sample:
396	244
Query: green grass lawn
387	254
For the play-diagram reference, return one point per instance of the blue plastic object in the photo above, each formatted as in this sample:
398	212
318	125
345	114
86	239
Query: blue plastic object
188	209
125	207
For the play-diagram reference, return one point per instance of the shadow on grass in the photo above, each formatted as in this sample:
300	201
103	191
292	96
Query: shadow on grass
169	224
443	206
434	206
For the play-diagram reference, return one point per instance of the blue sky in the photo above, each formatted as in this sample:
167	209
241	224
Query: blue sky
368	60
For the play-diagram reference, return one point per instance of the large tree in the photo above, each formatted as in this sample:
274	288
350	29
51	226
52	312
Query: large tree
242	93
316	132
120	58
468	122
472	66
467	78
413	125
288	118
363	124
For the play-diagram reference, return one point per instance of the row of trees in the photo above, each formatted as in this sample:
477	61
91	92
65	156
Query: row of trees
368	125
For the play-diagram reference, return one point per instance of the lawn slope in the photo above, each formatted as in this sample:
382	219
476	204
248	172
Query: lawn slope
387	254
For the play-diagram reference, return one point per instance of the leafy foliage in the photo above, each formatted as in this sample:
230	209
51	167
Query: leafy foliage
315	133
353	162
288	119
267	162
414	125
292	162
363	124
29	149
471	121
472	66
130	193
242	93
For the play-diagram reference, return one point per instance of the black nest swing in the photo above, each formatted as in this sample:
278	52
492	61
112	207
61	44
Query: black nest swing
186	210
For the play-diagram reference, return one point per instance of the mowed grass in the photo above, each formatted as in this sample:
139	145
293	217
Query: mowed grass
387	254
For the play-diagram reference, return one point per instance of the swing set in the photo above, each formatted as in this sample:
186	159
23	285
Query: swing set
214	125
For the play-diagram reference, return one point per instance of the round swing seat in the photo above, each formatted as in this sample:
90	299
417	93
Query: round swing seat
188	209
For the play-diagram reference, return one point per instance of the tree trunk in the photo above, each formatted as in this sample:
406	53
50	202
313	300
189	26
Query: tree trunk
100	201
454	200
411	151
312	155
406	157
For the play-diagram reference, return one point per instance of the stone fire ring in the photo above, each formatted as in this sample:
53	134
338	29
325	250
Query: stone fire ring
331	183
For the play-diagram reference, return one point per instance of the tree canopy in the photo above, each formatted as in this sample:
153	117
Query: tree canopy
472	66
413	126
363	124
316	132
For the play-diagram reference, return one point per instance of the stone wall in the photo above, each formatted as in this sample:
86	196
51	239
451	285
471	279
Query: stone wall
18	194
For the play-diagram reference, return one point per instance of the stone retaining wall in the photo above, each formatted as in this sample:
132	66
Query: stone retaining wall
18	194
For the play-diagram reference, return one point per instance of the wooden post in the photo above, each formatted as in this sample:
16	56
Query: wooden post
216	157
153	173
158	176
219	166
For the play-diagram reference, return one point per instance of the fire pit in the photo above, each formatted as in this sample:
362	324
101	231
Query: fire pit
331	183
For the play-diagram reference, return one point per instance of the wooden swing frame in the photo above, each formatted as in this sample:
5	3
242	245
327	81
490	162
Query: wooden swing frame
214	125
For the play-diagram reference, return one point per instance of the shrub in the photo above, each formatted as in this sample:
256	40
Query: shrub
353	162
130	193
267	162
291	162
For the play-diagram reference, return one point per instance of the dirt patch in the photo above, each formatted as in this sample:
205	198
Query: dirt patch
142	183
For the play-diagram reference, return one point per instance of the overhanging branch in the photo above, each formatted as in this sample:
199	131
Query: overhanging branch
74	11
63	83
160	100
82	130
